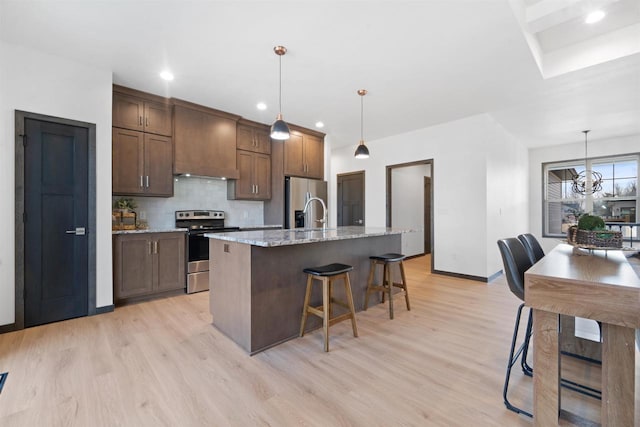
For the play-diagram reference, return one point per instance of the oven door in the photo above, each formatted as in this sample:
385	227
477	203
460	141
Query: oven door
198	265
198	246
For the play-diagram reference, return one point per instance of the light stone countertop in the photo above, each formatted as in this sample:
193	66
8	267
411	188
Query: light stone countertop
151	230
260	227
271	238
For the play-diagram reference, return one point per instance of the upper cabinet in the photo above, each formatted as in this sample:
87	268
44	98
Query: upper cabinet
204	140
135	110
141	163
304	153
253	136
141	147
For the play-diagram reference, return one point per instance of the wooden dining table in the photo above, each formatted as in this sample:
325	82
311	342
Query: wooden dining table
599	285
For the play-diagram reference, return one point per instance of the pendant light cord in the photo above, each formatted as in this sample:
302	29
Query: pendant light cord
361	118
585	149
280	86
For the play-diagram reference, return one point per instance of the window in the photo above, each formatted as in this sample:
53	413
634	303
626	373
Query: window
617	201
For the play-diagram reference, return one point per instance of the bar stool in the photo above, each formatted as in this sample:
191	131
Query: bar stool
327	274
387	260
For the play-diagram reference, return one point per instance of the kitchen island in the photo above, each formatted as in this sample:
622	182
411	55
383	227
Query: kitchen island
257	285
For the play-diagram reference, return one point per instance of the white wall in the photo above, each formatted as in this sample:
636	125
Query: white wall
538	156
507	192
459	186
44	84
407	205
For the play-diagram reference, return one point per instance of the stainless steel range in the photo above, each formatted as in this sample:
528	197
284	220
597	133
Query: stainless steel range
199	223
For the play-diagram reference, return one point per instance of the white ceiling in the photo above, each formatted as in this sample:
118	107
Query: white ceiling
423	62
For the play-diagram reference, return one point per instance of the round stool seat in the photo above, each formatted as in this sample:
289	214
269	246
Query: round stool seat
390	257
328	270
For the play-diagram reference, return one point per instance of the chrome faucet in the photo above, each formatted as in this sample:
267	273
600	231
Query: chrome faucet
324	211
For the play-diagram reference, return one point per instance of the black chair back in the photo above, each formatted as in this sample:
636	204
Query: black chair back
516	261
532	246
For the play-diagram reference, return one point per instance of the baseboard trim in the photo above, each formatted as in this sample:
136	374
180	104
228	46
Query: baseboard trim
8	328
105	309
463	276
494	276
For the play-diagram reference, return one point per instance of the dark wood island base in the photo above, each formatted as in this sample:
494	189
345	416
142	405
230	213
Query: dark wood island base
256	293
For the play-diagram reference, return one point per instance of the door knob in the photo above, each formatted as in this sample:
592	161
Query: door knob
79	231
359	221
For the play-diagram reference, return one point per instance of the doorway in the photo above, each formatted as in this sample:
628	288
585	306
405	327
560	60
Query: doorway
55	219
351	199
410	205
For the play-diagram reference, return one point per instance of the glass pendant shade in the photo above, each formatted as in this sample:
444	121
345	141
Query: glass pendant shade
279	129
362	152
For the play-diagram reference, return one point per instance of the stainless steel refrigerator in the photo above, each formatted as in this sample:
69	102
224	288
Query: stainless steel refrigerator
296	193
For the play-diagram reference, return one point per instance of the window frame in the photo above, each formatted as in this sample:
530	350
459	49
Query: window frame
587	199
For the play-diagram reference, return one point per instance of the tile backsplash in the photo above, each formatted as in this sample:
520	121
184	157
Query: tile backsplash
198	193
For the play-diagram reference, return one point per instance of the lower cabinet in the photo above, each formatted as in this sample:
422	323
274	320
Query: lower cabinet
145	264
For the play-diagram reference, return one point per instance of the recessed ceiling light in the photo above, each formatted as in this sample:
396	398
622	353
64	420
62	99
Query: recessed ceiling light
594	17
261	106
319	124
166	75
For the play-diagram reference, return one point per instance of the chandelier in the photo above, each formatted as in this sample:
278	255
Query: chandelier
587	181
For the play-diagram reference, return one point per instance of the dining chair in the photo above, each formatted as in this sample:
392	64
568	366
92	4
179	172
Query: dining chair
532	246
516	261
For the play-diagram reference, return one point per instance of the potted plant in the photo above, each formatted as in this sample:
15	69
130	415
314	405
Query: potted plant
125	204
123	216
592	232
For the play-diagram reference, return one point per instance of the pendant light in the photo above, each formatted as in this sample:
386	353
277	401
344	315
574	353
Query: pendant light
362	152
582	185
279	129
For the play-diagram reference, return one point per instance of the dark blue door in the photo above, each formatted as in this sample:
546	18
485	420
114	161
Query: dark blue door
56	218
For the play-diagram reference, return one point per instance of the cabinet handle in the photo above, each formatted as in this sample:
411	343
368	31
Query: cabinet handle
140	120
150	247
141	182
147	123
147	178
257	189
155	246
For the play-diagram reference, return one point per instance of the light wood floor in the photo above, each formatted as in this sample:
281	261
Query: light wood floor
161	363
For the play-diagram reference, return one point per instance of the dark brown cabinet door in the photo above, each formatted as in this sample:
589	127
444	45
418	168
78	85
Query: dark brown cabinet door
133	266
127	150
127	112
205	144
263	141
141	164
255	177
253	136
157	118
169	261
136	113
245	138
314	157
294	163
262	176
148	263
158	161
304	156
245	186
